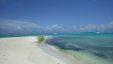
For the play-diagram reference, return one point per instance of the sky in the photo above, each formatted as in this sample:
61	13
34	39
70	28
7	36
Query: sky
56	16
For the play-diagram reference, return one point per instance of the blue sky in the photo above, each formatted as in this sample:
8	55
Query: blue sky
56	15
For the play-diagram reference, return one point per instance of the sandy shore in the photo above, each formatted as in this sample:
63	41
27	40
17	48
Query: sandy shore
25	50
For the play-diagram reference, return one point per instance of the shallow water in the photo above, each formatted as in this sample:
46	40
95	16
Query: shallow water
89	49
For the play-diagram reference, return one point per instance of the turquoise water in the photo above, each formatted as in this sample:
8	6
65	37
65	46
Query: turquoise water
89	48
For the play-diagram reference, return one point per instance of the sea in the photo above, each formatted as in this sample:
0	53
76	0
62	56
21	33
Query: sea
88	48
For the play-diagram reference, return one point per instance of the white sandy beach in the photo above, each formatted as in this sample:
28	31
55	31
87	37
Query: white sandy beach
25	50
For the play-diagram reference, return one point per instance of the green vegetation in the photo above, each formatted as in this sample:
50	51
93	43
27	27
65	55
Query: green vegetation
40	39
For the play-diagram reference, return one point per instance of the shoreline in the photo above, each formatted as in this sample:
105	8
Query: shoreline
25	50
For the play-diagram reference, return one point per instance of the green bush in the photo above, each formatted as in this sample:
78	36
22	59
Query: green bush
40	39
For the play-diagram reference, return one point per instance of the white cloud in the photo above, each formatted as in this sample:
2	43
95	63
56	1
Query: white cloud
18	26
54	27
94	28
14	26
88	28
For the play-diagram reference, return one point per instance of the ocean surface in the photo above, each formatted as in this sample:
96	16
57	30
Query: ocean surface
89	48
